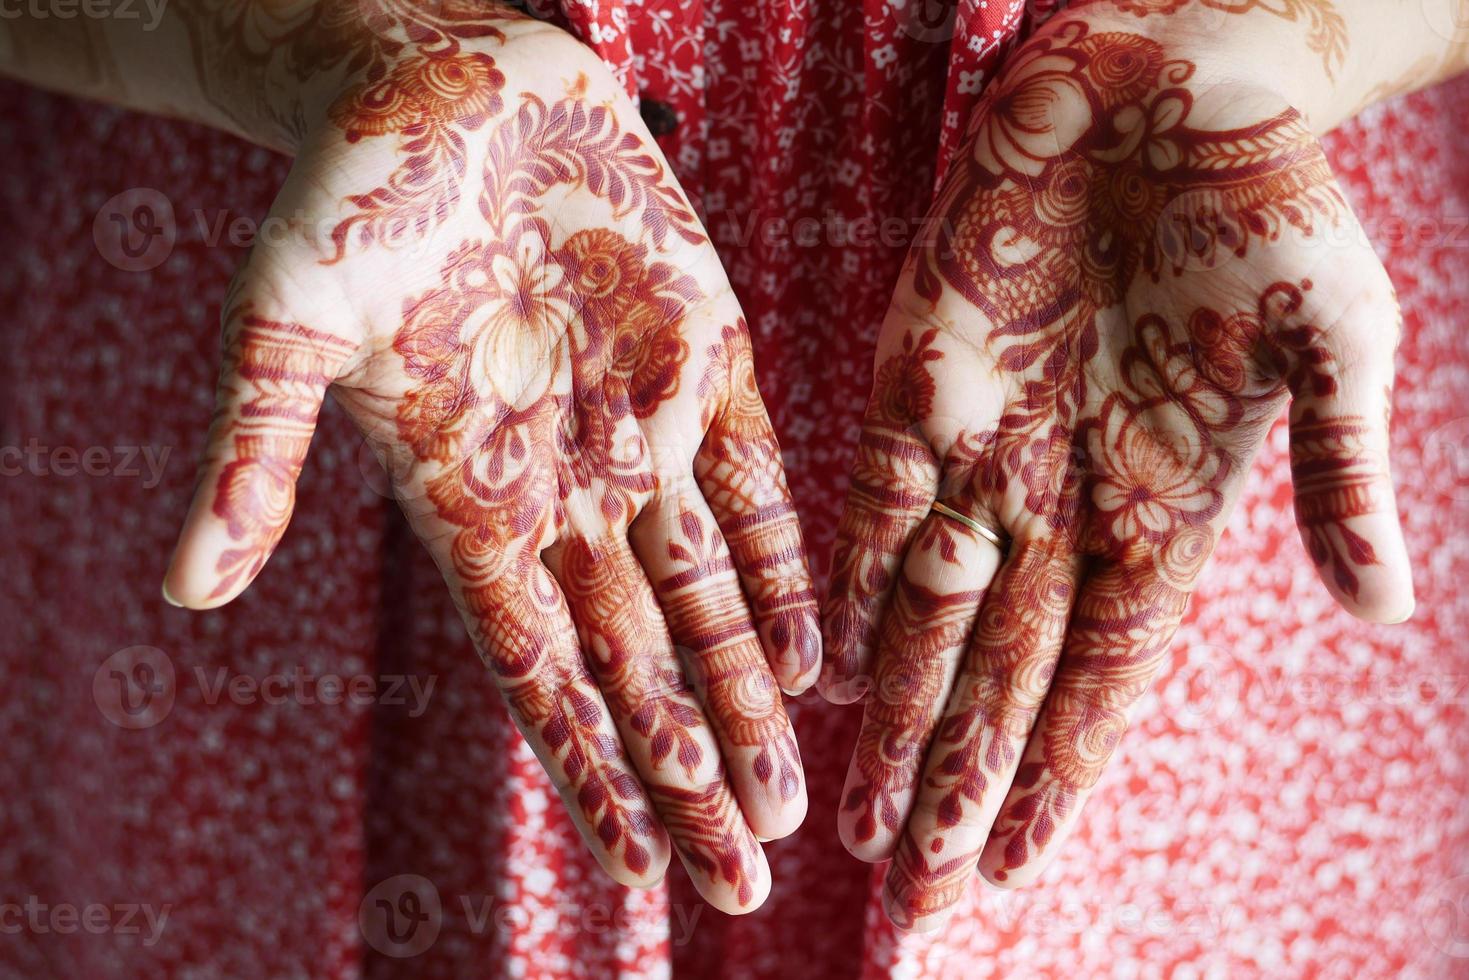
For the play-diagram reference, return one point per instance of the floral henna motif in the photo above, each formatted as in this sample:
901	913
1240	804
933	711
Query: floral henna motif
1117	638
251	48
1107	195
426	101
555	701
1153	506
622	637
1086	206
571	143
532	368
890	490
524	346
640	680
416	83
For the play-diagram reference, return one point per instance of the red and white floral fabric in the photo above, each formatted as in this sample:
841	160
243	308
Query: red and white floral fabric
1290	803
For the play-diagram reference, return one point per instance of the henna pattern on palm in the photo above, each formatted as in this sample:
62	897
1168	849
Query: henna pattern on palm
588	456
1122	298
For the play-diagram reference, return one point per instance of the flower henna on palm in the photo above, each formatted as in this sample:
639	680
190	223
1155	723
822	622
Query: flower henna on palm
630	585
1105	269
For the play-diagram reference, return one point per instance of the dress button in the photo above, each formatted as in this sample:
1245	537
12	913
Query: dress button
659	117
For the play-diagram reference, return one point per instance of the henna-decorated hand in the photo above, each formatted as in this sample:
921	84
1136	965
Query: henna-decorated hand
518	307
1141	259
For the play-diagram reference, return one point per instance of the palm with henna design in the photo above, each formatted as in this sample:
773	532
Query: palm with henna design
517	306
1136	273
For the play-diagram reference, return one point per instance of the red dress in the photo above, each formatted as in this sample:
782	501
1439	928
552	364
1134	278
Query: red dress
1291	802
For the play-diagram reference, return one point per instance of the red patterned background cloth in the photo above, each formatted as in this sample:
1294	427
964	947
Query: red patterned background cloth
1291	800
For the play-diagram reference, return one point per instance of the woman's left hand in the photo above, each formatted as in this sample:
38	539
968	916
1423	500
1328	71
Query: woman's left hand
1142	258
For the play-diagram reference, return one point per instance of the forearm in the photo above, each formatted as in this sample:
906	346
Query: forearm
267	72
187	58
1331	58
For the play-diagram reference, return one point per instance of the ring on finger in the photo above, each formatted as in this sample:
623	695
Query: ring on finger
989	534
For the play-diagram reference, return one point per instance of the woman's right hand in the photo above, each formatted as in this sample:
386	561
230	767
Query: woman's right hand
483	253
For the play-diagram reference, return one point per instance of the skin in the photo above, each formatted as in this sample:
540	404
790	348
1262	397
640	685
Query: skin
496	275
1144	260
590	465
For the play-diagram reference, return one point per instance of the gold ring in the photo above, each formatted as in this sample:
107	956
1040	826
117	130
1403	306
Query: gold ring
993	537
